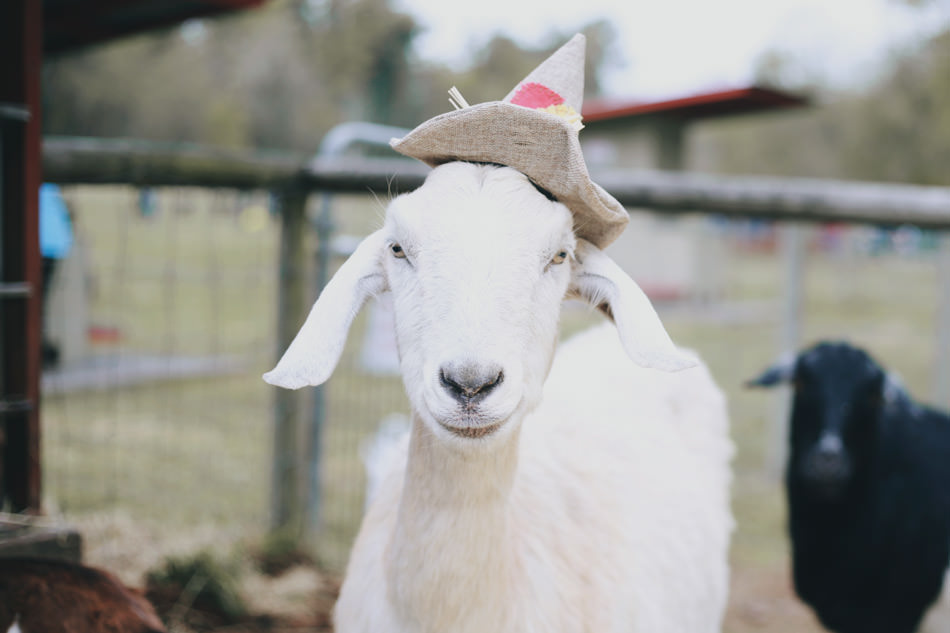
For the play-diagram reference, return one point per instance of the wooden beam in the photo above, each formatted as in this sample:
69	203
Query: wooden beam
96	161
781	199
135	162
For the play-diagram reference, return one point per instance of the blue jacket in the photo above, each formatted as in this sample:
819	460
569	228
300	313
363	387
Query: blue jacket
56	229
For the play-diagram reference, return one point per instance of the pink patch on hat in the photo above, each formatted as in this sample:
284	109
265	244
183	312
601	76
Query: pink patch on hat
533	95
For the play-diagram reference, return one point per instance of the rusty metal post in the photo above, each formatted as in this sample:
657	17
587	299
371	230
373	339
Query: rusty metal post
21	29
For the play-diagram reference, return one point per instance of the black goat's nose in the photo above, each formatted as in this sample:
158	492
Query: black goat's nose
830	450
470	383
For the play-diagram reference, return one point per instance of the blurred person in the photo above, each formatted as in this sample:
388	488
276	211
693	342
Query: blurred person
56	241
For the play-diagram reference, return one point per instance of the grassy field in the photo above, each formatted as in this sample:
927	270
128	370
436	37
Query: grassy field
174	465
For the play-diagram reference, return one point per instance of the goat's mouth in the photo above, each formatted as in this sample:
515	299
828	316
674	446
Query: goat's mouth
827	489
471	432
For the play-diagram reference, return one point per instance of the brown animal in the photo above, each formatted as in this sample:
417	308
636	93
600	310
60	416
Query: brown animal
46	596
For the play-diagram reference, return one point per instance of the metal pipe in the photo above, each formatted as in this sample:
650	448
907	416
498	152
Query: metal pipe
334	146
941	376
792	251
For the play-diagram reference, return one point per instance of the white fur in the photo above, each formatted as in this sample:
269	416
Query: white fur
937	618
375	450
594	501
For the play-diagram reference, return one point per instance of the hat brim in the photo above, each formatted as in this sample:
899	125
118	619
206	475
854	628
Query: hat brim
540	145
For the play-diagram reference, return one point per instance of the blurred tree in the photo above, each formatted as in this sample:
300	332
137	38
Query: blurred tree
784	71
502	63
361	47
280	76
922	3
906	121
896	130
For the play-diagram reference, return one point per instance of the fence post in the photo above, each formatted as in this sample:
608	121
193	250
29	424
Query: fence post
941	378
792	249
314	459
292	295
333	146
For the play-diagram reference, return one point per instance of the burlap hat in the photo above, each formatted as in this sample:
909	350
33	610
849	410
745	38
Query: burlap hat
534	130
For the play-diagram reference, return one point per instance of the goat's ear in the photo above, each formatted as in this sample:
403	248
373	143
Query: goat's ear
893	388
597	280
314	352
782	371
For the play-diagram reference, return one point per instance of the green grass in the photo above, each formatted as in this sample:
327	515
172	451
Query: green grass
200	279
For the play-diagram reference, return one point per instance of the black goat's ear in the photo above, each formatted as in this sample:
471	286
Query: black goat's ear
892	388
783	371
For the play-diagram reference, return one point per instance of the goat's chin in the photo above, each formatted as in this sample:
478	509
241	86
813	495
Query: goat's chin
471	427
476	431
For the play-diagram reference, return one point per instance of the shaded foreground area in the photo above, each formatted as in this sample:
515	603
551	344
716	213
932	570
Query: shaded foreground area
298	599
241	590
760	601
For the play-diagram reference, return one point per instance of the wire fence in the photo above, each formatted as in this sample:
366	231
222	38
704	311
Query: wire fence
159	411
158	420
165	317
162	315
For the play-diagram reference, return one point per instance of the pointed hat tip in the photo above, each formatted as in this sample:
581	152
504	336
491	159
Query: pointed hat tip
562	73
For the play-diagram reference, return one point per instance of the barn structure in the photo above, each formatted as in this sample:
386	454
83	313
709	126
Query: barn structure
653	134
670	263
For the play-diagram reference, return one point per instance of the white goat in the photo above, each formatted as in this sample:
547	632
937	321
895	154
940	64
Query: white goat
602	506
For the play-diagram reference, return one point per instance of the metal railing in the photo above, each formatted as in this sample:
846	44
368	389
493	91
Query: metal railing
293	178
96	161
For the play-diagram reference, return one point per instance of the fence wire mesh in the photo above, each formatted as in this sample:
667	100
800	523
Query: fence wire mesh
158	414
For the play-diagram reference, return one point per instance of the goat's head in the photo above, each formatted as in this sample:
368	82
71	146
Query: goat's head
478	261
840	392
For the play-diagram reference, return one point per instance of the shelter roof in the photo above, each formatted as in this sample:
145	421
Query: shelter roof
699	106
72	24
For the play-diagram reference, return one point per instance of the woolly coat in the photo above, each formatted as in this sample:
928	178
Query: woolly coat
610	513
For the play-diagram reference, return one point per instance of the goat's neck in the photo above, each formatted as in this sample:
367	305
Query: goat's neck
452	545
448	479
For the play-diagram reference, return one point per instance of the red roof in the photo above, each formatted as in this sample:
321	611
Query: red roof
71	24
711	104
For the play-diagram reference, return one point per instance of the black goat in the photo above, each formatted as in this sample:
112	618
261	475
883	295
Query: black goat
868	486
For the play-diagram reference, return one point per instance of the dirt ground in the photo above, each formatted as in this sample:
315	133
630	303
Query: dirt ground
762	601
300	600
298	596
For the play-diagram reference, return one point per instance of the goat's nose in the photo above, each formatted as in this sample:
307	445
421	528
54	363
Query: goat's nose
827	466
470	383
830	444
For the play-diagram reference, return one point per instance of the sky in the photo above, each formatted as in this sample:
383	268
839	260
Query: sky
671	48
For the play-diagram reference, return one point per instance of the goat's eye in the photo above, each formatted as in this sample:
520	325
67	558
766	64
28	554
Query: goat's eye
398	252
559	258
